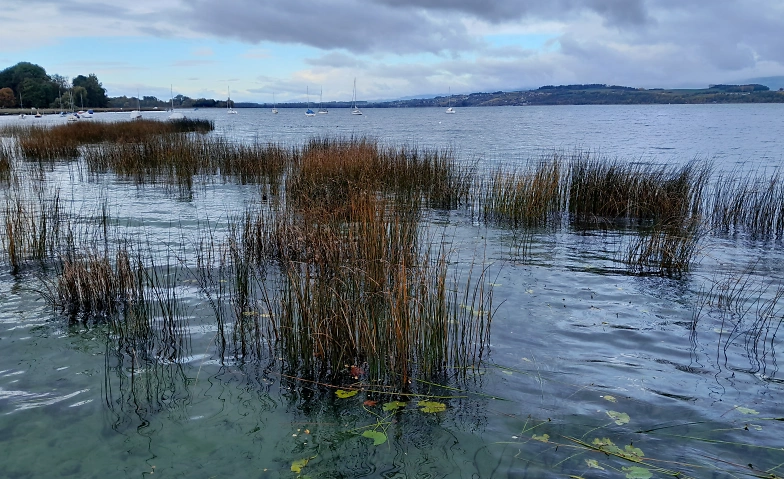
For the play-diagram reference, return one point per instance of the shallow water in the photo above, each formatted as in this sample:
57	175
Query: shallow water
577	342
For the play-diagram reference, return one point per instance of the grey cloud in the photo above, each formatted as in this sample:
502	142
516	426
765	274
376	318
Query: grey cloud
613	11
354	25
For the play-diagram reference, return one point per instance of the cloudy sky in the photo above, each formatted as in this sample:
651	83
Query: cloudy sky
394	48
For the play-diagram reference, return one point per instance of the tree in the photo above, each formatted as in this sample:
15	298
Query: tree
7	98
95	95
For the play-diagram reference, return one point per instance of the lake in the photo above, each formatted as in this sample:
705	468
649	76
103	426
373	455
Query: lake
592	370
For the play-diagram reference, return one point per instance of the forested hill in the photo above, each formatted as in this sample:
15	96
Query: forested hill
597	94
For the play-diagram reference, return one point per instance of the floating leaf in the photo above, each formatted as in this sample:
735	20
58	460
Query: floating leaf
297	466
378	437
633	453
495	285
431	406
745	410
609	398
393	406
249	313
542	438
370	403
593	464
607	445
620	418
509	373
637	472
343	394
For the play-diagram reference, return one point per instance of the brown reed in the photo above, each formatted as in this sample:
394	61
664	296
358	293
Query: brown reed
63	141
331	172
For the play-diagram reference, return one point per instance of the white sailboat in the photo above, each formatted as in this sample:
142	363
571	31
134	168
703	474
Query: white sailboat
274	105
309	112
137	114
354	109
174	115
21	115
229	109
449	108
322	110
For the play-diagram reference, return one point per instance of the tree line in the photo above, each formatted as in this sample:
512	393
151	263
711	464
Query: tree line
26	85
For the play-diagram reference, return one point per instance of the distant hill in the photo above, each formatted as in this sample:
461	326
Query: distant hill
774	83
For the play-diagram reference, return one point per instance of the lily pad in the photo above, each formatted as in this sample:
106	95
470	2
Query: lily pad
431	406
620	418
378	437
297	466
633	453
393	405
607	445
637	473
343	394
609	398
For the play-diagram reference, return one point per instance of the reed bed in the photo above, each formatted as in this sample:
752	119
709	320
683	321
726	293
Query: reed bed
63	141
601	189
178	158
331	172
351	286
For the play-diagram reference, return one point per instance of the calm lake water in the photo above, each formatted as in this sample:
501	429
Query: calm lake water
592	371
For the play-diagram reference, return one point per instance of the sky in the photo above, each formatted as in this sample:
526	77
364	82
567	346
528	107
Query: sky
292	50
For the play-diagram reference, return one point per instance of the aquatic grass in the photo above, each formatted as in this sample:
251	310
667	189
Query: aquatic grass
750	311
179	158
527	197
32	225
751	204
610	190
666	248
9	154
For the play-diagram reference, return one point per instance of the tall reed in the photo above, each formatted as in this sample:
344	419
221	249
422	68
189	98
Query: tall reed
752	204
601	189
524	198
32	224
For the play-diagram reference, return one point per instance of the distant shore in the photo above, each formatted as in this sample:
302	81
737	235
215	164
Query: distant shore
545	96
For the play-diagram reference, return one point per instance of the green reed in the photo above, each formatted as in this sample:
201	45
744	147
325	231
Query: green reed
752	204
530	197
178	158
610	190
32	224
